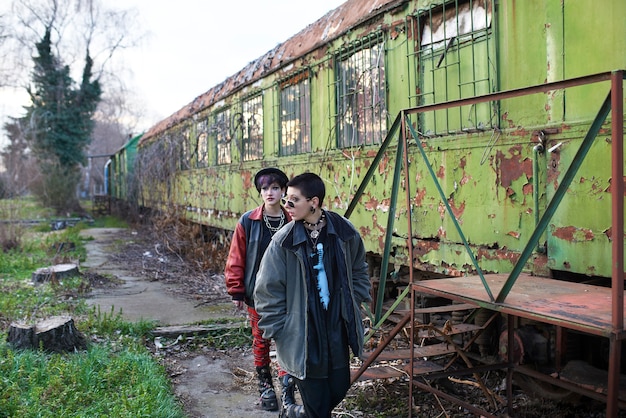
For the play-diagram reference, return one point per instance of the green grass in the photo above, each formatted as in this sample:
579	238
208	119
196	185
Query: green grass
24	208
116	376
100	382
109	222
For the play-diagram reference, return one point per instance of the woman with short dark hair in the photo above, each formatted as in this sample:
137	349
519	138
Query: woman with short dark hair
309	288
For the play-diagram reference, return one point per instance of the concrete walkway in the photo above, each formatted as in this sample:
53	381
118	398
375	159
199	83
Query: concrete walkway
206	383
138	297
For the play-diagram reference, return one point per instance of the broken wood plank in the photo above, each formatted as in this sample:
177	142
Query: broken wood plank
174	331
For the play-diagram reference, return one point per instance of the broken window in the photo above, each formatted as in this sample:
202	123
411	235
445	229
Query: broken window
295	115
202	146
361	100
455	45
185	150
252	136
221	132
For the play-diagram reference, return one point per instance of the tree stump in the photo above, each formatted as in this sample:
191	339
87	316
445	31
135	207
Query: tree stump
56	334
54	273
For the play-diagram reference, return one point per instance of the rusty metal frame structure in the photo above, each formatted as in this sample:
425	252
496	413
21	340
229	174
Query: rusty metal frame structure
613	106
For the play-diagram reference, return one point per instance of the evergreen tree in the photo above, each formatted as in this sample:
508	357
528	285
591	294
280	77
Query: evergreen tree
17	159
61	119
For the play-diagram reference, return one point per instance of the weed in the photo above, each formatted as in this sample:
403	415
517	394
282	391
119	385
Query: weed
115	376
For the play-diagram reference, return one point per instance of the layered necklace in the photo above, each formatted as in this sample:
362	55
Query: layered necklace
315	228
268	224
314	232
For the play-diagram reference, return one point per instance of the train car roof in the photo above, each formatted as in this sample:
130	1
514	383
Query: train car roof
329	27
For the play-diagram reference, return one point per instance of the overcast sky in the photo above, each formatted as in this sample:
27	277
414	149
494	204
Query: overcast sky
193	45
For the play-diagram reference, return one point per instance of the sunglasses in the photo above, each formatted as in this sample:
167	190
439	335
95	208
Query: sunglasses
291	203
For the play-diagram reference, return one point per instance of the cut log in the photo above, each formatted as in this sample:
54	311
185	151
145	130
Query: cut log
56	272
56	334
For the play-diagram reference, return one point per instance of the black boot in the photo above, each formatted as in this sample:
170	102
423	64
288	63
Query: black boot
289	409
266	389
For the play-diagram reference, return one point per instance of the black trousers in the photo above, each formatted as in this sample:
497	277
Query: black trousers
320	396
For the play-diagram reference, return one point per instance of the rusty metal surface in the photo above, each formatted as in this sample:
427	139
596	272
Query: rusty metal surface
380	372
433	350
454	330
315	36
571	305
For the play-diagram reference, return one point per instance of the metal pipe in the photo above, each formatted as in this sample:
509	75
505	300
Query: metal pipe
537	150
617	244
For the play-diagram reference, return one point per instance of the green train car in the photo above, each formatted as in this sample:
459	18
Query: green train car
119	172
445	130
325	100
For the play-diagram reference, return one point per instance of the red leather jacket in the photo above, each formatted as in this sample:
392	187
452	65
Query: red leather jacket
241	265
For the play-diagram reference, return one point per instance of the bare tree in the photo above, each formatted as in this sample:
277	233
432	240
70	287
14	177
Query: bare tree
76	26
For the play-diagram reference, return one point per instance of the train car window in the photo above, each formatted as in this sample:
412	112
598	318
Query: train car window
252	134
295	115
185	150
455	60
202	144
220	130
361	97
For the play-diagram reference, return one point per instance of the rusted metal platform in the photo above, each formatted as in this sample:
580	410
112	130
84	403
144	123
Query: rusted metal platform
571	305
567	305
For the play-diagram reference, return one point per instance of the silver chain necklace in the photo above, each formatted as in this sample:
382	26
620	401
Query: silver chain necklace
273	229
314	229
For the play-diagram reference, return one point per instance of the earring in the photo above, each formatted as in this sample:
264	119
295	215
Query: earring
312	209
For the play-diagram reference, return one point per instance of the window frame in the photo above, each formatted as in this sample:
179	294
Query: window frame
220	130
367	125
455	61
295	115
252	129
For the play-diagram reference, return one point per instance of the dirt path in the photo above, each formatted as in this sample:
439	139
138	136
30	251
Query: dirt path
210	383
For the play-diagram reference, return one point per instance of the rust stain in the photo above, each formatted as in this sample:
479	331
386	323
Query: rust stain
424	247
553	170
371	203
441	232
465	179
384	205
457	210
608	189
381	229
418	199
509	122
502	254
510	169
573	234
441	208
350	154
441	173
514	234
365	231
383	166
527	189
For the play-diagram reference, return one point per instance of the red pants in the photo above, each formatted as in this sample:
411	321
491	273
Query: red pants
260	345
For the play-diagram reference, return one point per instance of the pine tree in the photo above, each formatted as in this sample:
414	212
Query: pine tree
61	123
